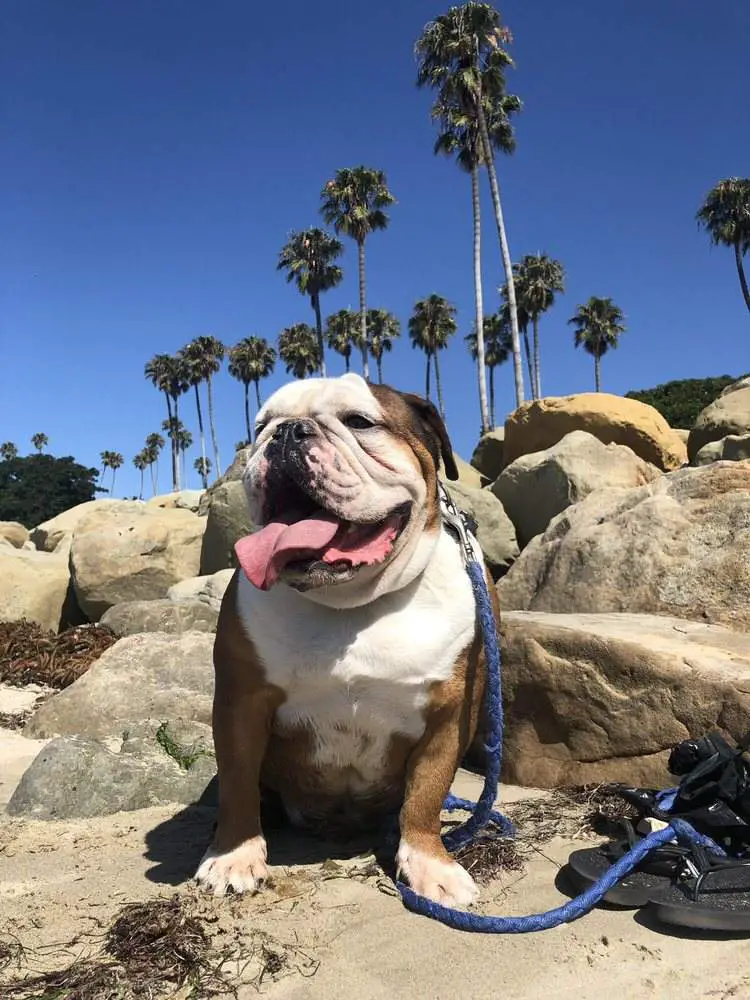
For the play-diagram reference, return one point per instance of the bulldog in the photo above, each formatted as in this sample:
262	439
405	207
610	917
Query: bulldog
349	666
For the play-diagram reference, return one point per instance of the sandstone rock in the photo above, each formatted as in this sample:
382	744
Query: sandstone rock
141	677
15	533
539	424
47	536
181	500
488	454
234	474
132	617
227	520
537	487
468	476
678	546
593	698
727	415
78	777
207	590
495	532
742	383
733	448
682	434
34	585
132	552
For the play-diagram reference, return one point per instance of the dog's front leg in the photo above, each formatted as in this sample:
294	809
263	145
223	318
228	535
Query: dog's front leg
422	859
242	720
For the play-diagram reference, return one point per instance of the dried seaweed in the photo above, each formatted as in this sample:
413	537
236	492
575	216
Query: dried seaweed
487	857
572	811
29	655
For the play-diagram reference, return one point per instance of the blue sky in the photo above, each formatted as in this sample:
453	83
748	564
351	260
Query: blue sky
157	152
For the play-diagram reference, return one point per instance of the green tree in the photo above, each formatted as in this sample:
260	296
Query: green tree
598	326
725	215
250	360
538	278
38	487
140	461
498	348
8	450
461	55
309	259
431	325
344	332
354	203
202	358
152	449
682	400
382	329
203	467
168	374
298	349
40	442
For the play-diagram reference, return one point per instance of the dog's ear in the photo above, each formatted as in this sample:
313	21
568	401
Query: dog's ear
431	420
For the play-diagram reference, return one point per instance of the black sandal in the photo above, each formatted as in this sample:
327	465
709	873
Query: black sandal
711	893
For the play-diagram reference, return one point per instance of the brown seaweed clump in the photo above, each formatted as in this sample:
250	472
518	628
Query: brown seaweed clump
29	655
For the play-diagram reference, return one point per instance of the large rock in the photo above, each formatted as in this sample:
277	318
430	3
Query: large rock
539	424
48	536
181	500
76	777
488	454
34	585
132	617
13	532
537	487
742	383
227	520
678	546
147	676
733	448
132	552
208	590
495	532
593	698
467	475
727	415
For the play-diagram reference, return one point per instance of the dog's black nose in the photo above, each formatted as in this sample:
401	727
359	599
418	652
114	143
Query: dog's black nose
295	431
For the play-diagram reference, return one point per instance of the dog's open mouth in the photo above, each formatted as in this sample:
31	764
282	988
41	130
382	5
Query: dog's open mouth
302	538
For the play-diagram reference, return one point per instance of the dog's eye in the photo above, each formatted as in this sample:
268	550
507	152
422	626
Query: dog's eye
357	422
259	428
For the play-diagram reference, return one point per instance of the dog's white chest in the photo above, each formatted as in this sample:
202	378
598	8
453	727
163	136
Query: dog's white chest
358	677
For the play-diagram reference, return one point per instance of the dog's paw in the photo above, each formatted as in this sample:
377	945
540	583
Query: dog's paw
243	869
438	878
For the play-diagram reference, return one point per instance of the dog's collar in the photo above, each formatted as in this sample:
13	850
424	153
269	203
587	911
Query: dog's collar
459	523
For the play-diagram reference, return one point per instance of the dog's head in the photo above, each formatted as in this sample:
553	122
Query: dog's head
342	484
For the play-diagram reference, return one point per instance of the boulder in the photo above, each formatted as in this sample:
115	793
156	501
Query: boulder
132	552
540	423
206	590
34	585
677	546
682	434
488	454
467	475
47	536
132	617
234	474
742	383
495	532
733	448
227	520
141	677
595	698
181	500
15	533
727	415
150	764
537	487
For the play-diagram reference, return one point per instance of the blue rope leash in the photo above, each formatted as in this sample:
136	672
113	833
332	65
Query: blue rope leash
482	811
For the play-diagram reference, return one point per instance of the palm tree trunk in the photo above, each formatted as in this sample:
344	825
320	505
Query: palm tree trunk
114	473
529	358
537	377
319	331
379	363
489	162
140	495
478	303
427	382
347	362
492	398
363	309
741	273
257	393
173	443
154	470
439	386
247	412
598	372
217	460
200	423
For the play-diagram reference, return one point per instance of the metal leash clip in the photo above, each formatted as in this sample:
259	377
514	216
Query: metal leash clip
460	522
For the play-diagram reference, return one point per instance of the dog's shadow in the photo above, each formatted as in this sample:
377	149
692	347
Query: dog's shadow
177	845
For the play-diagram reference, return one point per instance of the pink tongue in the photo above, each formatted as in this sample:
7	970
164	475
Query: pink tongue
264	554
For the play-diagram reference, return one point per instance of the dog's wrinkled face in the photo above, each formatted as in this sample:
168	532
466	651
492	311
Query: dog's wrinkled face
342	484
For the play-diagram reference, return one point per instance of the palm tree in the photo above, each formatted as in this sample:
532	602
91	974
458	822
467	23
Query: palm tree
168	374
250	360
725	215
40	442
459	136
382	329
498	347
537	277
141	461
203	467
354	203
298	349
461	55
343	332
431	324
111	460
154	445
308	259
598	325
8	451
203	357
